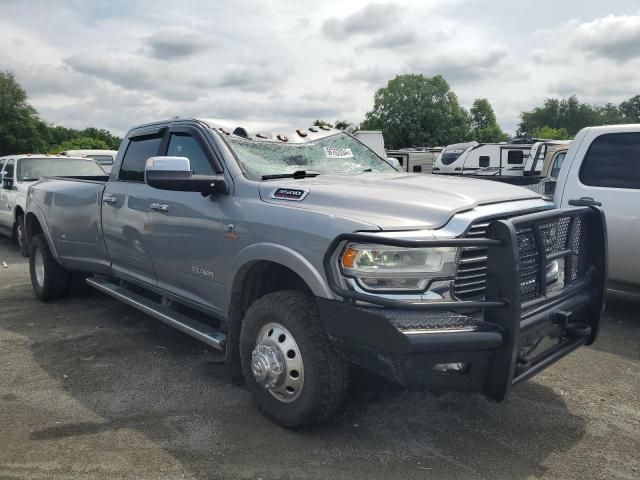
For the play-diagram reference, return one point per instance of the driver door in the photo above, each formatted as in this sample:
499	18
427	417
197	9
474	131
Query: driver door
186	239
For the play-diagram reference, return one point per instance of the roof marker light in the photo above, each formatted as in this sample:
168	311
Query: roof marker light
282	138
325	127
313	129
261	135
302	132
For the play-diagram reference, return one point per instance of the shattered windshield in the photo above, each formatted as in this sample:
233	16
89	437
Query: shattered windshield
337	154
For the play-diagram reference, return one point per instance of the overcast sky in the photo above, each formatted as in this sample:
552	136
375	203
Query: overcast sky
112	64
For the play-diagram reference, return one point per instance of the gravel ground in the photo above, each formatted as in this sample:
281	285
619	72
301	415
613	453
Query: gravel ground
92	389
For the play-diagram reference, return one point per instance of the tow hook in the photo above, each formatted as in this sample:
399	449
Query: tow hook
564	321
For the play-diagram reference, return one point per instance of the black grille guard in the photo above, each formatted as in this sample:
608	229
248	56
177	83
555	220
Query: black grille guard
503	306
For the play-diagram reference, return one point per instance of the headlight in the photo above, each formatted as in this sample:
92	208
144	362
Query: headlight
381	267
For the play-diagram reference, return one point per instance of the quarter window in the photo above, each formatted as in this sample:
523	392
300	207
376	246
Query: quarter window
184	145
613	160
135	158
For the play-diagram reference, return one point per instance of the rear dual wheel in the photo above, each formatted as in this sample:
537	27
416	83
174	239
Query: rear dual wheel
293	371
49	279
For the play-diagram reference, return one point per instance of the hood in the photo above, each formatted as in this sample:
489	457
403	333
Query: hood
393	201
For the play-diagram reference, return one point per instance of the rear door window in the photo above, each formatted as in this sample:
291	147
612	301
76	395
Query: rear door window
135	158
613	161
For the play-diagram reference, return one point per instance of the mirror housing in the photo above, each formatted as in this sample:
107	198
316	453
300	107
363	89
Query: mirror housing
174	173
6	181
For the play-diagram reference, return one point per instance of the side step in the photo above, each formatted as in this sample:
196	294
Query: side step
193	328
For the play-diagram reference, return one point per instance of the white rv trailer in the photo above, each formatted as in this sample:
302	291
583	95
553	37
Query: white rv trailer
372	139
418	160
475	158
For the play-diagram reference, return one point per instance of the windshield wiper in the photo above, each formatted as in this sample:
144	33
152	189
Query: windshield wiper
297	174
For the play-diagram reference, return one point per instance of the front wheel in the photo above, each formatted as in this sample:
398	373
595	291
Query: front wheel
19	236
292	369
49	279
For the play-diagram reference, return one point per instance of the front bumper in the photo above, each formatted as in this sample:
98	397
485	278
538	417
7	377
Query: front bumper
493	344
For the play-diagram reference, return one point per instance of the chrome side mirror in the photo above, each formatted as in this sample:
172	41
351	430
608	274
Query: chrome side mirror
174	173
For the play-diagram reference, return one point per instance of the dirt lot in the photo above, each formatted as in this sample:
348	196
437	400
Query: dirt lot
90	388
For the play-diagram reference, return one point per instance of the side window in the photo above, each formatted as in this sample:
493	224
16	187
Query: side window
557	165
484	161
184	145
515	157
9	167
613	160
136	155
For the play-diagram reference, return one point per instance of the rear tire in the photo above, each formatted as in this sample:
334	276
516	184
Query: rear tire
19	236
303	397
49	279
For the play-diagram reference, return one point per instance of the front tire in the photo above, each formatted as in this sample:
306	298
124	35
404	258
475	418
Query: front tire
291	368
19	236
49	279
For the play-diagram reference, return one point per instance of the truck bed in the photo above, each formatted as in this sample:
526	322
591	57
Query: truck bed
71	208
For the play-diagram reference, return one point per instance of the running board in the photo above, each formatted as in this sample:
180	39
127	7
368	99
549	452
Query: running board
193	328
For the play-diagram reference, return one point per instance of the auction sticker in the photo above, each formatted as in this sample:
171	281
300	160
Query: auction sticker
338	152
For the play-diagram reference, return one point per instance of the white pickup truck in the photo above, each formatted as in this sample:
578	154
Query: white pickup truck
602	166
19	172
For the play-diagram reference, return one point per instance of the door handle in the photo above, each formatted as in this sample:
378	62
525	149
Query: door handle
584	202
159	207
111	200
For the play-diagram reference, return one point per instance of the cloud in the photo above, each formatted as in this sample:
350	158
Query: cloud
259	77
396	39
372	19
463	66
377	76
616	37
175	44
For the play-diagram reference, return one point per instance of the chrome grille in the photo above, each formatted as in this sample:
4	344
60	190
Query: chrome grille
471	276
556	236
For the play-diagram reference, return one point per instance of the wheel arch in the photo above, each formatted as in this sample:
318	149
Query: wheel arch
266	268
35	224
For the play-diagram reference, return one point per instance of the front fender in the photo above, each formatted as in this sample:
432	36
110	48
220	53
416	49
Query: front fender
35	214
285	256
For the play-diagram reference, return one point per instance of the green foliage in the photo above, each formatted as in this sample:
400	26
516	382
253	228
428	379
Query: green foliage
342	124
572	115
80	143
550	133
322	123
485	128
630	109
415	109
22	130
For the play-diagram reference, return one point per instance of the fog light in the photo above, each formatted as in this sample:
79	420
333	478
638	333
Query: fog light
451	368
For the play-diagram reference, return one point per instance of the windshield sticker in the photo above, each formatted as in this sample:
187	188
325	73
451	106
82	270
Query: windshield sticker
330	152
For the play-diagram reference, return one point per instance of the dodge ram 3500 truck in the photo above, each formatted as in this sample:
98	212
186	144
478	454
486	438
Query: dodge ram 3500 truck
297	252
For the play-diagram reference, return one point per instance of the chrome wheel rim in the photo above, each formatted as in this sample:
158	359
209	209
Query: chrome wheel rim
276	363
19	235
38	266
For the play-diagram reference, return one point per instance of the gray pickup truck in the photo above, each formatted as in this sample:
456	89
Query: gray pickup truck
297	253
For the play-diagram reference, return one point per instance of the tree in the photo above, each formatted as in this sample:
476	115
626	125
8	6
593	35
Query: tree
484	125
21	131
80	143
630	109
414	110
342	124
322	123
550	133
572	115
